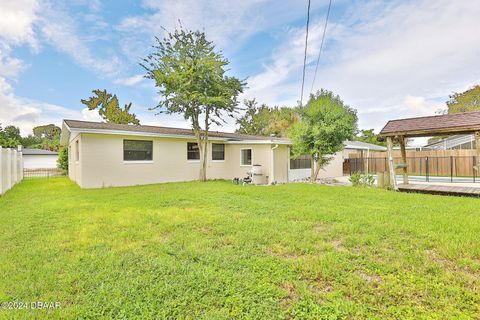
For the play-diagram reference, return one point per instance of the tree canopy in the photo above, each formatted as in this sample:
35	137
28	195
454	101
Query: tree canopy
44	137
369	136
326	122
191	79
265	121
109	109
465	101
10	137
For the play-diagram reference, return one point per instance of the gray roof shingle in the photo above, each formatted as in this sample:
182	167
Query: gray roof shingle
360	145
77	124
27	151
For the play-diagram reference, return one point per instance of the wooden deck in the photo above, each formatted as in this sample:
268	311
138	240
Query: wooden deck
441	190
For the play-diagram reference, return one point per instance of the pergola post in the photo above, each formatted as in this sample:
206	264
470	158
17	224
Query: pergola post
477	148
404	159
391	168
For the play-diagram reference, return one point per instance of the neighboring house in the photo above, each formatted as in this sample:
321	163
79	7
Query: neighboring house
39	159
456	142
359	147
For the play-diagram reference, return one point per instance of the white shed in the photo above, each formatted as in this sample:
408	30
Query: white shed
39	159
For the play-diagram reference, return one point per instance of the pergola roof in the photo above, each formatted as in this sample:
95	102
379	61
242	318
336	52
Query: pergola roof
459	123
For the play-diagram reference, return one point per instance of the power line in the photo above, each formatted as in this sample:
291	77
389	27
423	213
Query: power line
321	45
305	55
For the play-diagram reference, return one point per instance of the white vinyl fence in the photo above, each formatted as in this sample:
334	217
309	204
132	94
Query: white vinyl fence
11	168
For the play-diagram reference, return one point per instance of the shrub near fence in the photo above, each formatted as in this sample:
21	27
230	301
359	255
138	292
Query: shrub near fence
11	168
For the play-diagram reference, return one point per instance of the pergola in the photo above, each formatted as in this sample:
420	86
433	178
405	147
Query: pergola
449	124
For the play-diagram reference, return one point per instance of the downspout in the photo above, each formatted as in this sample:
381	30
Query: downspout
273	164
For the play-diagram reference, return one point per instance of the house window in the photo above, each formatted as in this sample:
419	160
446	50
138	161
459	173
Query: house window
137	150
246	157
193	153
77	151
218	151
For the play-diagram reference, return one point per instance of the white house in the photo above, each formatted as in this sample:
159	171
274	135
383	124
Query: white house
108	154
39	159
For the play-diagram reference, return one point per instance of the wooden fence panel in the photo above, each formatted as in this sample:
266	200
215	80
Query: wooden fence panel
447	166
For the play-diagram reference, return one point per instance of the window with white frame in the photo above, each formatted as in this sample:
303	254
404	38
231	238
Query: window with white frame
218	151
246	157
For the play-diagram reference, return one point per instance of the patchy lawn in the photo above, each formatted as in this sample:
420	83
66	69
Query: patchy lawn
218	250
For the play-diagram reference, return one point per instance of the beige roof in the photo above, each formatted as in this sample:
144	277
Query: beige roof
89	125
467	122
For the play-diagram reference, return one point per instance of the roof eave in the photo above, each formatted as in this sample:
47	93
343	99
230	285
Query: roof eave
430	132
68	131
65	134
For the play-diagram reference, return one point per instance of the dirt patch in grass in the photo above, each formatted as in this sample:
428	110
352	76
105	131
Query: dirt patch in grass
370	278
320	227
283	252
291	294
452	266
338	245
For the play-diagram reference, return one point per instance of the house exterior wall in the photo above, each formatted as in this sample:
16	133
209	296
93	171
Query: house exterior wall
282	158
74	167
36	161
101	162
334	168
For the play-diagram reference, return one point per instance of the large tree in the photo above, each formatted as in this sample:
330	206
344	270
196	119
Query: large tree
326	122
109	109
191	78
49	131
10	137
369	136
465	101
265	121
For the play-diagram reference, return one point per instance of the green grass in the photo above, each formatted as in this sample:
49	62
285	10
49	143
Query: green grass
218	250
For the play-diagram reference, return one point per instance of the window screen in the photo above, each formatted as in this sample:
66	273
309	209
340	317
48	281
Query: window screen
137	150
193	153
246	157
218	151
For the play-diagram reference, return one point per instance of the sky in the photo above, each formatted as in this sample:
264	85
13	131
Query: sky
387	59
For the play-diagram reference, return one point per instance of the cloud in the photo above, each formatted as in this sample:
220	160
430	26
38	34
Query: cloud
130	81
16	23
229	24
58	28
419	106
9	67
381	57
26	114
91	115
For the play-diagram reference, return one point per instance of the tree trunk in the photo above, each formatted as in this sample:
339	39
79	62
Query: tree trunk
317	170
312	169
203	148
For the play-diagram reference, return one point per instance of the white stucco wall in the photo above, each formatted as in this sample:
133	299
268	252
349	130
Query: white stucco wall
101	164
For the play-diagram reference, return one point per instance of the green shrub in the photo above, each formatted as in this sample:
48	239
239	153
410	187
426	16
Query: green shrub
62	161
362	180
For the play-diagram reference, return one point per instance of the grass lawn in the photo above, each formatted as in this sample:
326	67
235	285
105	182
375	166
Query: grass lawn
218	250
